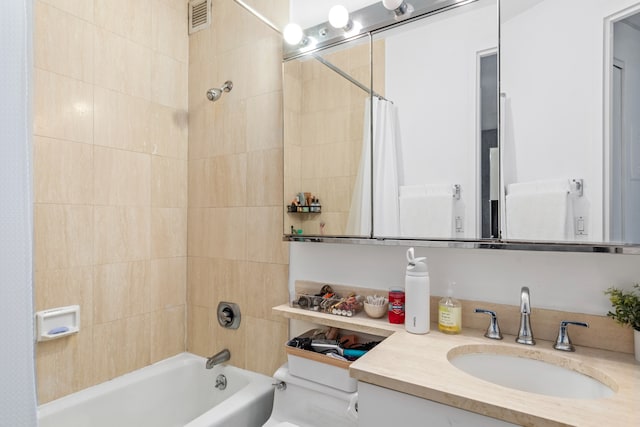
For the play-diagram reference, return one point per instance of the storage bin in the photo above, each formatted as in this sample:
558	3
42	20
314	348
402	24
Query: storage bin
320	368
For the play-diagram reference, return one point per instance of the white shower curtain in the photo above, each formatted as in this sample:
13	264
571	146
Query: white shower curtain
386	142
17	371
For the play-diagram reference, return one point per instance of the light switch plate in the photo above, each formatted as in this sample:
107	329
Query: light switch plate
580	226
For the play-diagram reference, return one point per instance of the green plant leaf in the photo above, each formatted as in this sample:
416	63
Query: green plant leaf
626	306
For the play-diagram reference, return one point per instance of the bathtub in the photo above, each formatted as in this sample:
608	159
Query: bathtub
175	392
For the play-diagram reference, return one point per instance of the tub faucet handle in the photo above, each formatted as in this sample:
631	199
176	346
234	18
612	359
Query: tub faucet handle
563	342
493	330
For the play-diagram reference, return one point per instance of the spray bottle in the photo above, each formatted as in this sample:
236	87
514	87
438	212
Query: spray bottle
417	316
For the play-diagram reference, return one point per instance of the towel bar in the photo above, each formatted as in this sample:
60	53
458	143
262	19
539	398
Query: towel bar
456	191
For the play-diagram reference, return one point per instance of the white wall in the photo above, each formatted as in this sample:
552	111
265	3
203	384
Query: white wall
551	69
570	282
17	393
431	76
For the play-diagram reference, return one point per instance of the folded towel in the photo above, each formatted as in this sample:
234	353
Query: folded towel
426	211
537	215
426	190
543	186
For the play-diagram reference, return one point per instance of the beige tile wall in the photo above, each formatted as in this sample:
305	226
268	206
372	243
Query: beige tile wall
324	132
235	243
110	171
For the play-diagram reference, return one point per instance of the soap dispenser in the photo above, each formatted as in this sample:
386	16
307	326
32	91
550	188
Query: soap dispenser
417	316
450	313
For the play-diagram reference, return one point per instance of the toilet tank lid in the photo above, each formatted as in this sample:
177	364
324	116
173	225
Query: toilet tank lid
282	374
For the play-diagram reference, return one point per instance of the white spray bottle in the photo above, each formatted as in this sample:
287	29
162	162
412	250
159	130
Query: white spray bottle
416	287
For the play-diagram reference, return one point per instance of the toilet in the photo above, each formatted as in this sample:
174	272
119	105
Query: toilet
300	402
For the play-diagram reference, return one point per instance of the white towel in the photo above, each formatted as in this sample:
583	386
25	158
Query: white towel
538	211
426	211
543	186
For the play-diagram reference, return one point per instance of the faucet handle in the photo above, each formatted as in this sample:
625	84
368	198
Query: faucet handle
493	330
563	342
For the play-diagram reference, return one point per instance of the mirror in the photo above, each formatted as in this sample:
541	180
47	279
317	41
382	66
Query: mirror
568	110
325	94
439	121
570	120
434	122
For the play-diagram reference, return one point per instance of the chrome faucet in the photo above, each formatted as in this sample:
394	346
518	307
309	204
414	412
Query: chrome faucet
493	330
218	358
525	334
563	342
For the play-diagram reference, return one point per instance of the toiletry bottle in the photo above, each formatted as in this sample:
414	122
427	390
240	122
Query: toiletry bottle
416	289
449	313
396	305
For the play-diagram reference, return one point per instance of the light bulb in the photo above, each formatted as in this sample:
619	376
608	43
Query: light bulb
292	33
338	16
399	7
392	4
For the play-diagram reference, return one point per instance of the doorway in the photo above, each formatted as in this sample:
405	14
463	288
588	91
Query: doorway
624	149
488	144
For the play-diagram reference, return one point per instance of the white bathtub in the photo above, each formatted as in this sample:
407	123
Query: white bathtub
175	392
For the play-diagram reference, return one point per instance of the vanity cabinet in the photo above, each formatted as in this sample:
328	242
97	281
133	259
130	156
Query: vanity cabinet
382	407
409	379
379	406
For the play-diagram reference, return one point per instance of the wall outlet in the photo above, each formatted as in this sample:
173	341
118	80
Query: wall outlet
580	226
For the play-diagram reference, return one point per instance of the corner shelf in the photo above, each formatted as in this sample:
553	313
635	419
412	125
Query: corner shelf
309	211
358	323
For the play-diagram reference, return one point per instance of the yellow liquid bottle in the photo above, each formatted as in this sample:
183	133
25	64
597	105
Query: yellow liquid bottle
449	314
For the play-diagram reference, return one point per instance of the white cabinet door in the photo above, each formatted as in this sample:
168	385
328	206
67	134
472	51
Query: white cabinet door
381	407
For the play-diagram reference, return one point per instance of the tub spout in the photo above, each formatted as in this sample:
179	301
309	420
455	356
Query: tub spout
218	358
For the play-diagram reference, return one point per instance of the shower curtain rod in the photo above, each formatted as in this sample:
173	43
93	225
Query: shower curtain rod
258	15
348	77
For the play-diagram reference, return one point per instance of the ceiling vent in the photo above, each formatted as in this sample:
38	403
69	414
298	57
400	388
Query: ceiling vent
199	15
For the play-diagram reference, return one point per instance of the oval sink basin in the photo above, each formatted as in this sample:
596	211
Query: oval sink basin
532	371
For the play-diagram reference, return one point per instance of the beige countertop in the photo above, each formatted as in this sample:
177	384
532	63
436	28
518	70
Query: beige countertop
419	365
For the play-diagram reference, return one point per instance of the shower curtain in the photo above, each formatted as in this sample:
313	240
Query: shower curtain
17	373
384	160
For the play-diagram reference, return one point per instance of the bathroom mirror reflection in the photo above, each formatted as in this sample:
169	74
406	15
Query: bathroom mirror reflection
571	120
324	121
569	147
434	120
436	132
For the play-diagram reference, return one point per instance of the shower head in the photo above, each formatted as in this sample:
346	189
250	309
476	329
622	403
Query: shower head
214	94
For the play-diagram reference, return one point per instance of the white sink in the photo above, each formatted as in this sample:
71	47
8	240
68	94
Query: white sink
532	371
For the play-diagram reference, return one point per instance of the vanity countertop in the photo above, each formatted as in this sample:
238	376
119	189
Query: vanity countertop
418	365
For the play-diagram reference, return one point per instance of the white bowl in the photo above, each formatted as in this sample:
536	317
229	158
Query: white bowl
376	311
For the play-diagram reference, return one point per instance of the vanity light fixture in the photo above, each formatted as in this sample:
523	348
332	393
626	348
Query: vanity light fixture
339	18
399	7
